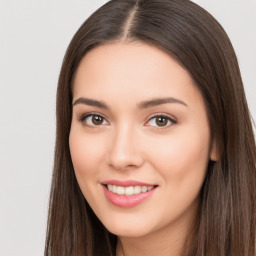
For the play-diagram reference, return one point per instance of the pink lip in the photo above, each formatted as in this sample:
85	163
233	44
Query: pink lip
127	183
126	201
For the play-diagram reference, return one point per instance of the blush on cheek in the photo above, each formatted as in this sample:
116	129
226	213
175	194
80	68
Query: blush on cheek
184	156
86	153
81	161
78	155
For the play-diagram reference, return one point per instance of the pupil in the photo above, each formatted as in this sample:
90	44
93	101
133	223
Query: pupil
161	121
97	120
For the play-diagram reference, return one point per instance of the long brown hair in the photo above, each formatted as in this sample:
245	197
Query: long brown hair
226	222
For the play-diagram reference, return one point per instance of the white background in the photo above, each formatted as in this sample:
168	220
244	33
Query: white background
34	35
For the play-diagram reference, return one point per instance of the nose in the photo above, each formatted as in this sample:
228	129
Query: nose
124	150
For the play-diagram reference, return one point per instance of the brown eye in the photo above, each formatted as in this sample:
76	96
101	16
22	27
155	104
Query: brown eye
97	120
93	120
161	121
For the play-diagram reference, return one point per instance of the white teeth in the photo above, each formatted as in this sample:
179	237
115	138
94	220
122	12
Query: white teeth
137	189
128	191
144	189
110	187
120	190
151	187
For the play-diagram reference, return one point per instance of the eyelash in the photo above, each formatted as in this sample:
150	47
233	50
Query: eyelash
167	117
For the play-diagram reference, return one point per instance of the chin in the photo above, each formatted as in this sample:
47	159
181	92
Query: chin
128	232
126	229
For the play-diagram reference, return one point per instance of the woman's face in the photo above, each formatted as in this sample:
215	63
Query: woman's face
139	139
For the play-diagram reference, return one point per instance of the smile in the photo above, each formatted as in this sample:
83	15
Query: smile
128	191
127	194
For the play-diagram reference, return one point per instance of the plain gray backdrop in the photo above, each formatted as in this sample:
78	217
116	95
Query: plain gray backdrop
34	35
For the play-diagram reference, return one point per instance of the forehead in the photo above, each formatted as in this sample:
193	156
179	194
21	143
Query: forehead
132	71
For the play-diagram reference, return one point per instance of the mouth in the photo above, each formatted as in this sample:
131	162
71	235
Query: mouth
127	193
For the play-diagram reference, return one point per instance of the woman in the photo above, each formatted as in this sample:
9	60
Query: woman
155	153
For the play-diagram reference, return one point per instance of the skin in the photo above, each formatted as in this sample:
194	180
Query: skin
130	144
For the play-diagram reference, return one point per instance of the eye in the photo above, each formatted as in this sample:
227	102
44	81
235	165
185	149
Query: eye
160	121
93	120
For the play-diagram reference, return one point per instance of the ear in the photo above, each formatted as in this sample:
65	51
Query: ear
214	153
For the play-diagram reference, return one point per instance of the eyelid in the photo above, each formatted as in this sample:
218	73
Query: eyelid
167	116
82	117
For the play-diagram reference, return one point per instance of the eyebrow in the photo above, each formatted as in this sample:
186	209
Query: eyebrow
91	102
141	105
159	101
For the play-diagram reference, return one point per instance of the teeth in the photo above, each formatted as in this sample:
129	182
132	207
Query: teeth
137	189
144	189
120	190
110	187
128	191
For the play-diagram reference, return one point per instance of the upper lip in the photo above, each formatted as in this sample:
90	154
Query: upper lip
126	183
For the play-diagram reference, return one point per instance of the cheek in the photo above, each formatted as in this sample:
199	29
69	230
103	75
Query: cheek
86	153
183	157
182	163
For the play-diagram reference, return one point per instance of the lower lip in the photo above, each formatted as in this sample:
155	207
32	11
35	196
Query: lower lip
127	201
